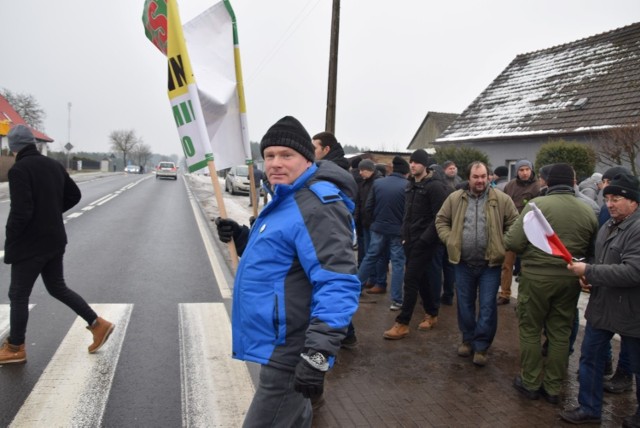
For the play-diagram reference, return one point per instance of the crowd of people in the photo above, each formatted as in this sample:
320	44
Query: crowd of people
434	235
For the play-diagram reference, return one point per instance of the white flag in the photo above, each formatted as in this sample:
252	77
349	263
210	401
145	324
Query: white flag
210	41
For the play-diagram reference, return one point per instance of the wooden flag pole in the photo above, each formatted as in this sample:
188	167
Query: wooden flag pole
217	190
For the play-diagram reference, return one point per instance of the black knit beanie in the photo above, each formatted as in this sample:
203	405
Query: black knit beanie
625	185
613	171
420	156
289	132
561	173
400	165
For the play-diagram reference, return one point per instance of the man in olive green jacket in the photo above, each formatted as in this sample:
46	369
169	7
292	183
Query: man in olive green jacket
471	224
548	293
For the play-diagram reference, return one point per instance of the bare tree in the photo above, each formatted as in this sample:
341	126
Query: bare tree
621	146
124	141
27	107
141	153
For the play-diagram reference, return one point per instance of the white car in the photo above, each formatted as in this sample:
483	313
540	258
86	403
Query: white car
132	169
167	170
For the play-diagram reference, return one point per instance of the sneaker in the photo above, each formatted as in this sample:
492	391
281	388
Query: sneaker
578	416
398	331
620	382
395	306
101	330
464	350
12	354
349	342
376	289
503	300
428	322
480	358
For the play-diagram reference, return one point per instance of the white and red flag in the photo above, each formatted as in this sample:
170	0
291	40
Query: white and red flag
540	233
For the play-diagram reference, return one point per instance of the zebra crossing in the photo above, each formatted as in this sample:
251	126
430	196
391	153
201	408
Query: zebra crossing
73	389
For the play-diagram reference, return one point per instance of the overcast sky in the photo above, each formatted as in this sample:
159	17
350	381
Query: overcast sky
397	61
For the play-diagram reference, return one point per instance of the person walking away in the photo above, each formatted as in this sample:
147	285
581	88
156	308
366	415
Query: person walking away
521	189
258	177
424	196
385	205
471	224
41	191
296	288
548	293
614	300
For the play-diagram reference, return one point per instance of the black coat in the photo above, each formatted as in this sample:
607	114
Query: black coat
362	216
423	200
41	190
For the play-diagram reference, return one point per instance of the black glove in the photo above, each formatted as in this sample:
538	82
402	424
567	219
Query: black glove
227	229
309	380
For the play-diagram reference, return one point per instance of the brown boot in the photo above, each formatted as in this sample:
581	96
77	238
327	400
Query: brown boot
398	331
428	322
12	354
101	330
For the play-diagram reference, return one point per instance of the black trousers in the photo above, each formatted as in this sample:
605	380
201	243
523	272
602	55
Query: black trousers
23	277
417	282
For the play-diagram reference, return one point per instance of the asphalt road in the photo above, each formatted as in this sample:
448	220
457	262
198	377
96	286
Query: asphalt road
136	249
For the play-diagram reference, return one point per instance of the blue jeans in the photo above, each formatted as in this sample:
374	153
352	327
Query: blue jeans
592	360
379	244
379	275
276	403
477	283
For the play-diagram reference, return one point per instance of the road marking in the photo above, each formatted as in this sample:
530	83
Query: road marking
73	389
73	215
1	254
216	390
223	286
4	319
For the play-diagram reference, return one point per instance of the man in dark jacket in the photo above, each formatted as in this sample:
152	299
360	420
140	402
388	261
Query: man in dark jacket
423	198
40	190
363	218
386	206
295	288
614	302
521	189
327	148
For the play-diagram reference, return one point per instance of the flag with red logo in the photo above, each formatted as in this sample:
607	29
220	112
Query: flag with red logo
541	235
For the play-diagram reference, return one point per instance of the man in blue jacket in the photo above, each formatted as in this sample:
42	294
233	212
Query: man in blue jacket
295	289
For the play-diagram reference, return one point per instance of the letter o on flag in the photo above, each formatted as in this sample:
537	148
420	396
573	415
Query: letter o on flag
187	146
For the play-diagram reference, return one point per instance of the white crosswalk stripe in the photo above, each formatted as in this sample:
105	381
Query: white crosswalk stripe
216	390
73	389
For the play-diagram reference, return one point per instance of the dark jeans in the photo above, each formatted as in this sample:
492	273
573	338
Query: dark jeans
418	281
23	277
592	361
276	403
449	273
477	285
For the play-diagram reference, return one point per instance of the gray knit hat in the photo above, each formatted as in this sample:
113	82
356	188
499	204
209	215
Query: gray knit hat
289	132
20	137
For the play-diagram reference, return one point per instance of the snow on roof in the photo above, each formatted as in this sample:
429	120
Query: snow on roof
590	84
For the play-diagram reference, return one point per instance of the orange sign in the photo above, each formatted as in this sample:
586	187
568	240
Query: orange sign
4	127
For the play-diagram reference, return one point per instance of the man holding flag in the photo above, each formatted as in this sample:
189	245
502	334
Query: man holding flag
614	303
545	236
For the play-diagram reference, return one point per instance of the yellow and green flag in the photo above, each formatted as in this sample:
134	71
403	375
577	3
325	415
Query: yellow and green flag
210	115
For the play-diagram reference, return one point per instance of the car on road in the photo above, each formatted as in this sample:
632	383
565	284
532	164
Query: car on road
132	169
237	180
166	169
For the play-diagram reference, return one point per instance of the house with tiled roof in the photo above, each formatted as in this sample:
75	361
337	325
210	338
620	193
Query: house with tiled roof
8	114
8	119
433	125
577	92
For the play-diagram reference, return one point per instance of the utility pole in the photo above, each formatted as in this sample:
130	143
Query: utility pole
330	122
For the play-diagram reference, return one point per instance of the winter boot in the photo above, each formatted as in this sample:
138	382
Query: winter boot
12	354
101	330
